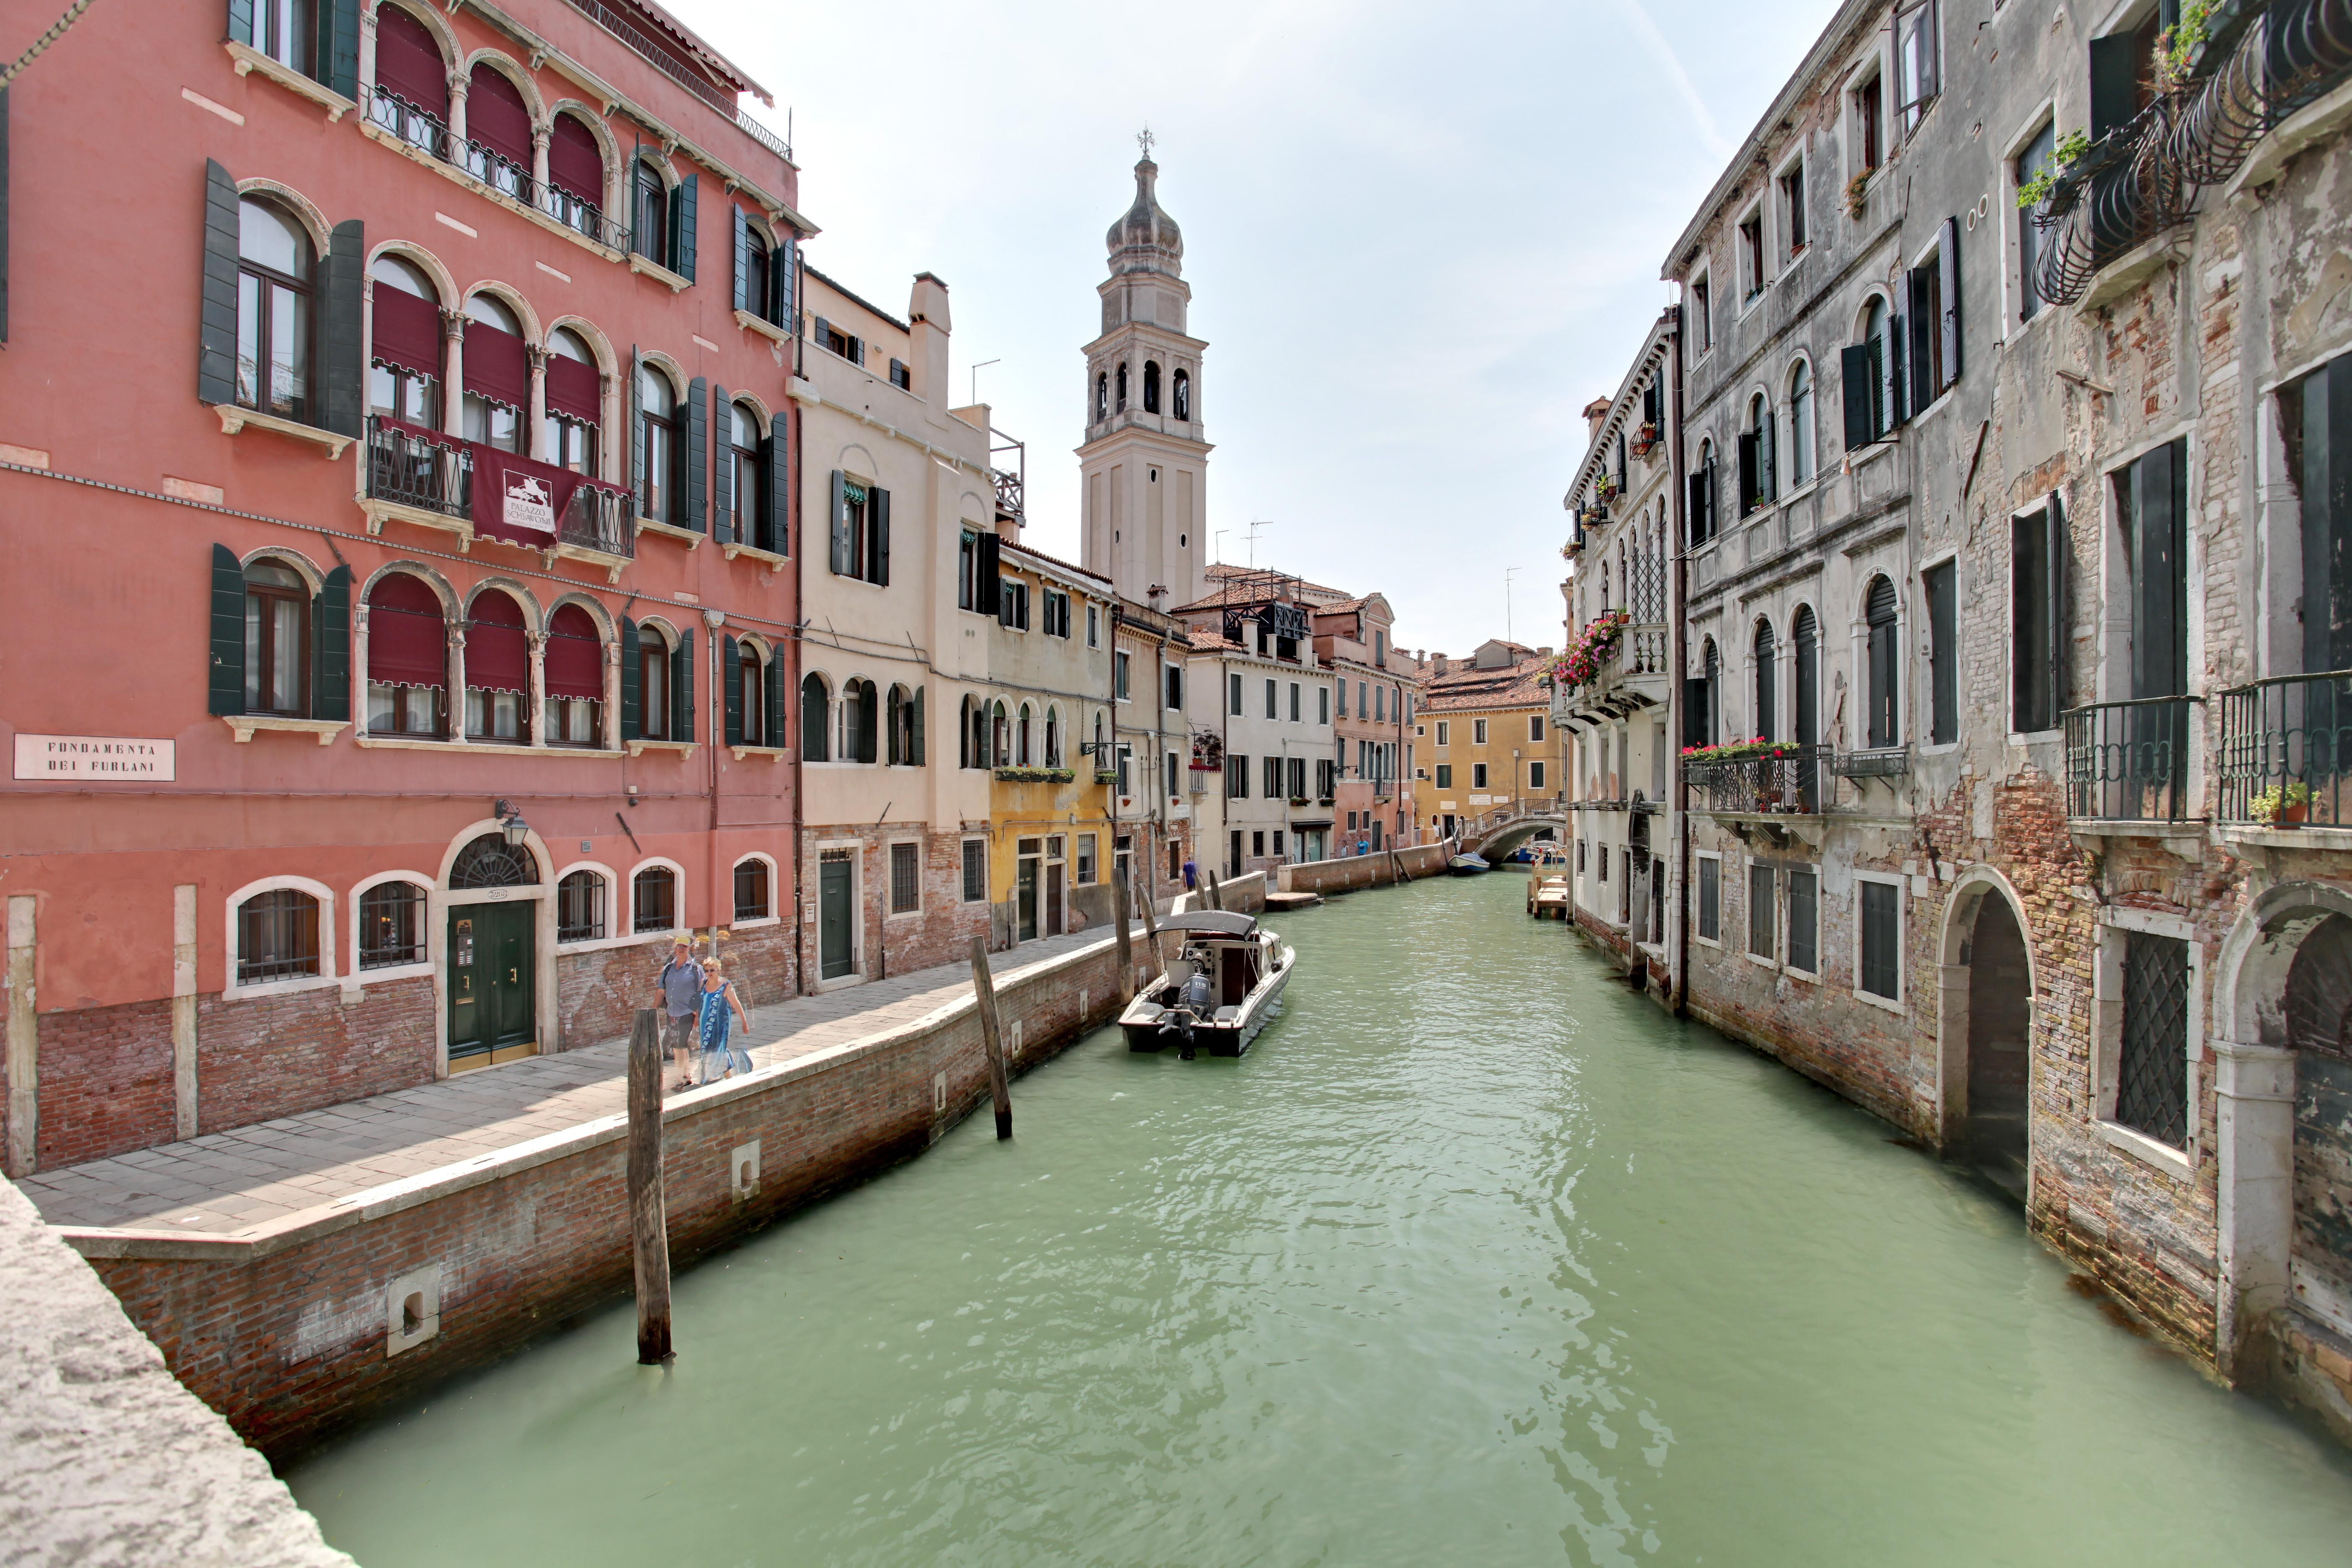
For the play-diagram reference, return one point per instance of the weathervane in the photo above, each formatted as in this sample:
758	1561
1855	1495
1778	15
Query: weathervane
1144	141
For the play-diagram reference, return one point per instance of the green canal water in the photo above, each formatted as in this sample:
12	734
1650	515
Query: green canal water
1475	1259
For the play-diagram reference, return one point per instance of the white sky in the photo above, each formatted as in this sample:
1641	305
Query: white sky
1420	239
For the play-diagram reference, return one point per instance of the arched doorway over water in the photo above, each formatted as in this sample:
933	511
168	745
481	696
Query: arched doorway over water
2000	1032
2318	1005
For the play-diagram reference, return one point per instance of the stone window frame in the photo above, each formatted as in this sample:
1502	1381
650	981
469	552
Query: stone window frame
2013	220
1900	1003
1785	257
1720	859
2111	627
889	849
2114	922
678	926
964	851
1821	880
1924	663
351	918
620	910
329	920
775	892
1751	289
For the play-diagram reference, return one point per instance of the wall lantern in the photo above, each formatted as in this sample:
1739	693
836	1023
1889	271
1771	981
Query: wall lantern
511	824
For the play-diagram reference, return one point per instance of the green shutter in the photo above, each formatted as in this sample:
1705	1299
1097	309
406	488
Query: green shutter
730	672
331	648
339	45
216	328
342	341
228	653
877	528
842	566
722	468
774	728
919	729
698	453
635	435
777	473
743	300
1947	277
681	688
986	568
633	725
783	284
1857	392
682	228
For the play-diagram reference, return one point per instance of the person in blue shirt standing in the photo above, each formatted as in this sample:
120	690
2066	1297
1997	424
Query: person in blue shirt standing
679	984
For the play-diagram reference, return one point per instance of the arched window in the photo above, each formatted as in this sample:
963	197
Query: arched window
752	287
1183	396
1702	495
575	176
404	347
649	233
1000	737
580	906
654	650
659	450
1711	715
749	487
412	81
858	725
277	640
407	656
498	374
497	131
1756	455
1121	406
1102	397
1885	727
575	403
488	861
1052	737
816	720
392	925
277	936
1151	386
1767	680
275	270
754	900
654	899
1806	635
1880	349
1800	424
498	670
751	672
1022	754
906	727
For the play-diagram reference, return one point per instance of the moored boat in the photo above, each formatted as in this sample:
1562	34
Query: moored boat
1547	897
1218	991
1467	866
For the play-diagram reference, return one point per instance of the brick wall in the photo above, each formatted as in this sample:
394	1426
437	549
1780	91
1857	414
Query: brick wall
1348	873
284	1331
941	932
106	1081
264	1057
598	992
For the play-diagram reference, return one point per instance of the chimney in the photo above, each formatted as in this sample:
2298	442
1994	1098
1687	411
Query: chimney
1437	662
927	312
1543	653
1594	412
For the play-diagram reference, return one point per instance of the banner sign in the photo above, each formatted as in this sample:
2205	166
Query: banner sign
107	758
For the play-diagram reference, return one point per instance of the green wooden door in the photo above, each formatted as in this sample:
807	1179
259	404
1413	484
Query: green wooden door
835	909
492	1015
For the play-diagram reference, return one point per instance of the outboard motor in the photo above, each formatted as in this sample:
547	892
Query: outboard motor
1197	993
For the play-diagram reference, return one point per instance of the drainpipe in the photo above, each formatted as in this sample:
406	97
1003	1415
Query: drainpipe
1677	807
722	884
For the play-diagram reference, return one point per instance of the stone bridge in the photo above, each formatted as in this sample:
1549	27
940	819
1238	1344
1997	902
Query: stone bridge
1499	832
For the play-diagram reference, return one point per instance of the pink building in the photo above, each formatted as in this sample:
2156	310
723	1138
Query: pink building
416	666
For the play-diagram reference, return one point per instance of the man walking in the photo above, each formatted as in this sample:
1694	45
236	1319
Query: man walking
680	985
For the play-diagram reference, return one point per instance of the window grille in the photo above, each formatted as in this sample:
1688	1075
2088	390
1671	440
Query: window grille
1804	925
277	936
392	925
656	899
489	861
975	870
751	889
2151	1069
1881	934
1761	910
1710	895
906	878
579	908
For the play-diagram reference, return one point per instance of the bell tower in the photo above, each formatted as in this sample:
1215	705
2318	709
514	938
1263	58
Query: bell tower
1145	460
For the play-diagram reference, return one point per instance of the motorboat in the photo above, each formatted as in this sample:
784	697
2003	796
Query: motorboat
1218	991
1547	897
1467	866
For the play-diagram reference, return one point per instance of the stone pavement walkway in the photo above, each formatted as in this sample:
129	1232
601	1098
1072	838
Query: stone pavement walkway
225	1183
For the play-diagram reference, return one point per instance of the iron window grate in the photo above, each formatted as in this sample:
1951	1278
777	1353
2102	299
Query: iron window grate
392	925
906	878
277	936
579	908
2151	1069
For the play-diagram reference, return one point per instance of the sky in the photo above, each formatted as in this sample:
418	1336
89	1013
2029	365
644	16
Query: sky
1420	240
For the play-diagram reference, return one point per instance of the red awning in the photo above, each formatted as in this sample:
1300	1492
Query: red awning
575	161
408	644
495	116
575	654
496	365
407	331
575	389
408	62
498	654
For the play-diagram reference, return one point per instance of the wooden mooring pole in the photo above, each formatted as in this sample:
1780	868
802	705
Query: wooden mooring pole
648	1226
1126	941
983	986
1152	931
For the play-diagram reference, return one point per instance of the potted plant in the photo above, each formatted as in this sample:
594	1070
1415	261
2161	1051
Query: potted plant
1857	195
2282	806
1106	775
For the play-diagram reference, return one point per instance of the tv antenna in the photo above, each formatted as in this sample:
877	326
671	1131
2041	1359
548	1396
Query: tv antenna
1256	523
1508	573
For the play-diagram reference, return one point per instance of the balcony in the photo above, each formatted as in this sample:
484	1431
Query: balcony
1786	781
420	130
2286	749
429	480
2128	763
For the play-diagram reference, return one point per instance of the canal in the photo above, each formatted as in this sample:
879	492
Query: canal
1475	1259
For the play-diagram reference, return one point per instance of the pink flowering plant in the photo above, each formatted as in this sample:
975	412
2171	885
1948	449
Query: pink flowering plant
1738	750
1582	662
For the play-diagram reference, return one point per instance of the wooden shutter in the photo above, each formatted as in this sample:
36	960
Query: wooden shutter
774	688
216	339
1898	407
1748	473
240	22
339	45
857	353
633	723
743	300
331	648
681	688
919	729
1767	453
2057	624
698	452
633	436
1694	508
1947	275
724	526
774	470
1857	392
783	284
731	666
682	227
2115	81
842	566
1694	695
342	335
990	585
2159	658
227	654
877	529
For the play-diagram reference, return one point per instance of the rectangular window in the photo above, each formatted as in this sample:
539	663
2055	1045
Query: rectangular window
1914	63
1869	125
1762	908
1086	872
1535	775
1442	728
1793	207
1175	778
2038	551
1299	778
2039	155
1343	696
1237	777
906	878
1535	729
1380	704
1125	770
1882	937
1119	674
1322	705
1941	586
1258	844
1710	897
1233	695
1929	371
392	918
1175	674
1477	731
1294	702
750	889
1446	776
1274	778
1012	604
1600	861
968	571
1323	771
1804	920
1094	625
2151	1060
1272	711
1477	775
1057	614
975	870
1702	316
1751	254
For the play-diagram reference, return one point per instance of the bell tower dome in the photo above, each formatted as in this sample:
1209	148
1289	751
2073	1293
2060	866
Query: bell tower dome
1145	457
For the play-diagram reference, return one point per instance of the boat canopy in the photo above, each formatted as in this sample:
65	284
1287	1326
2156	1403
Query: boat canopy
1211	923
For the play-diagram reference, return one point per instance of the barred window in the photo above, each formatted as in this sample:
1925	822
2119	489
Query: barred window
752	902
975	870
906	878
1762	936
1804	923
1880	937
392	925
656	899
580	906
277	936
1710	899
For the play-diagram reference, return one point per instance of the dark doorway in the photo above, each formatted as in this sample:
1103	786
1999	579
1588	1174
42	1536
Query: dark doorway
1055	872
836	909
491	985
2319	1030
2000	1014
1025	898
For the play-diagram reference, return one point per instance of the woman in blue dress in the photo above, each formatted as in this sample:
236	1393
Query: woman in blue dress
721	1007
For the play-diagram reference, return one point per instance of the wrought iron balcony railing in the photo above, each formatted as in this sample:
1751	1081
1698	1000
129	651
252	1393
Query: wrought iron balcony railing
412	123
2128	762
2124	193
412	471
598	517
2286	751
1789	783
